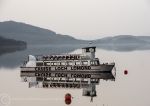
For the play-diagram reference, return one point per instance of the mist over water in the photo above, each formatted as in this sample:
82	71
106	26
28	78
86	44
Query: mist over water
127	90
16	58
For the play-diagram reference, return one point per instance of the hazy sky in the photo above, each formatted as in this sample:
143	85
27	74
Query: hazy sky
86	19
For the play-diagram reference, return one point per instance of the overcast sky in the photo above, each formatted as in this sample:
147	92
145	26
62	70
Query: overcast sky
85	19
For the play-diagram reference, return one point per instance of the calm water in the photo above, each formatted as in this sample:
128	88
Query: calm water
128	90
16	58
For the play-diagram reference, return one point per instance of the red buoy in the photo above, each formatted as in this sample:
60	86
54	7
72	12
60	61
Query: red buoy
125	72
68	101
68	98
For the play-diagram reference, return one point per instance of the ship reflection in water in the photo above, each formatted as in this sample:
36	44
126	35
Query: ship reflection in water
127	90
67	71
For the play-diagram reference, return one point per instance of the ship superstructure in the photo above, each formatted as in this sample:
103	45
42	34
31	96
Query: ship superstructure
67	71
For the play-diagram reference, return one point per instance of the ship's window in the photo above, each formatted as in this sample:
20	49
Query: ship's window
39	64
54	63
70	63
92	63
85	79
78	79
92	79
55	79
58	63
84	62
96	62
97	80
63	63
70	80
77	57
51	78
47	63
77	63
63	79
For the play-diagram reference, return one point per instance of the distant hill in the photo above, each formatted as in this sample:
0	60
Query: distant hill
124	39
34	35
124	43
16	36
10	45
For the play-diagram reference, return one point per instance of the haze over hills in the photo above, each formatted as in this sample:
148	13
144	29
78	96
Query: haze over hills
124	43
36	35
44	41
124	39
10	45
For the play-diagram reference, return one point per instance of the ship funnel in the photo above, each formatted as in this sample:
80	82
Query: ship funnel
89	52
